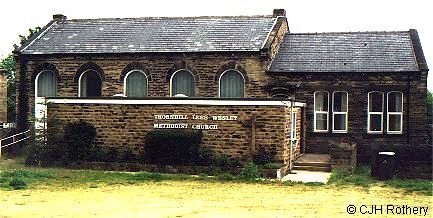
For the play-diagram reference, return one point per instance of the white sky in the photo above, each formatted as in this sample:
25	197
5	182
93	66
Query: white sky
16	17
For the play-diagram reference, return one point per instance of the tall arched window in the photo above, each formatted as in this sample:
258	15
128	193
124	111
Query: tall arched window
46	84
231	84
90	84
182	82
135	83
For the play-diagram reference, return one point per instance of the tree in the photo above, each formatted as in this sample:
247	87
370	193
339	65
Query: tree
8	64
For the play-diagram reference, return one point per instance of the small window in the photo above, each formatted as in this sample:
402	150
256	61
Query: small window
231	84
395	113
375	112
90	84
135	83
182	83
294	126
46	84
339	112
321	108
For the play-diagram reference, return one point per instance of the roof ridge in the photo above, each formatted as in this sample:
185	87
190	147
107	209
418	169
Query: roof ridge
171	18
358	32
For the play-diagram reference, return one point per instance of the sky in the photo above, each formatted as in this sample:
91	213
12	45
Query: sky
303	16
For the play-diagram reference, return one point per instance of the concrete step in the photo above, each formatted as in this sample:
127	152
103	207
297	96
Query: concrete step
313	168
316	164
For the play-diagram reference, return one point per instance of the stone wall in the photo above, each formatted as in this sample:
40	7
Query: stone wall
412	85
124	124
3	96
206	68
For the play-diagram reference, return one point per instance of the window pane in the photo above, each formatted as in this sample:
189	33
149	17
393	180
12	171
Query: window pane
183	83
394	122
340	102
321	101
47	84
375	122
375	102
232	85
136	84
339	121
395	102
91	84
321	121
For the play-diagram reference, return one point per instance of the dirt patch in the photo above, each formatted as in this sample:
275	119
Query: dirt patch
201	199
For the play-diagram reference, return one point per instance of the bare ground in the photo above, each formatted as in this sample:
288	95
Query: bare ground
203	199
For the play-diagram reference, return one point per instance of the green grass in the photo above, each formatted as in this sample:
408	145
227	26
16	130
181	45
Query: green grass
361	177
16	176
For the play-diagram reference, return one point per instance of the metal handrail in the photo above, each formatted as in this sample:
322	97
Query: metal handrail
13	139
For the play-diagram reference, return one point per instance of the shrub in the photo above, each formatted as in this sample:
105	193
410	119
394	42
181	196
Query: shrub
78	137
263	156
173	146
250	172
18	183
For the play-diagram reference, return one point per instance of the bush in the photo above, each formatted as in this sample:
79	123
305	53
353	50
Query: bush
17	183
173	146
263	156
250	172
79	138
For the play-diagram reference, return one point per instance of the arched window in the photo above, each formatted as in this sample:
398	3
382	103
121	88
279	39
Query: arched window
231	84
46	84
135	83
182	82
90	84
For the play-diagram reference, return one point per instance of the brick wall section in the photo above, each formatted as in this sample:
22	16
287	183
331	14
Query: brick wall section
358	85
3	96
126	126
206	69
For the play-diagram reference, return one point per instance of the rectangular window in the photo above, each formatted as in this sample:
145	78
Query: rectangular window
321	108
294	126
395	113
339	112
375	112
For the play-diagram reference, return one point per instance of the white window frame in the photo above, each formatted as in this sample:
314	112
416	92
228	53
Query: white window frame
126	76
321	112
294	126
81	76
388	113
37	81
219	81
339	112
374	113
171	81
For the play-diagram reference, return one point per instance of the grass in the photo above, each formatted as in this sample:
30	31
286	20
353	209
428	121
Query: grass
16	176
361	177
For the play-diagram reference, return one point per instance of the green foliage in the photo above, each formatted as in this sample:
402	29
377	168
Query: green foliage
173	147
78	138
361	177
24	39
429	103
250	172
17	183
19	179
263	156
8	64
272	166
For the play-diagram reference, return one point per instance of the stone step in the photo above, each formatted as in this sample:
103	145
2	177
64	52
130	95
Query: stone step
313	168
316	164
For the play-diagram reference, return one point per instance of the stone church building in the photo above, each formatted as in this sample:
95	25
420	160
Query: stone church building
247	82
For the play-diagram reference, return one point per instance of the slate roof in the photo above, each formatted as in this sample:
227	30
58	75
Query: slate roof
180	34
346	52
